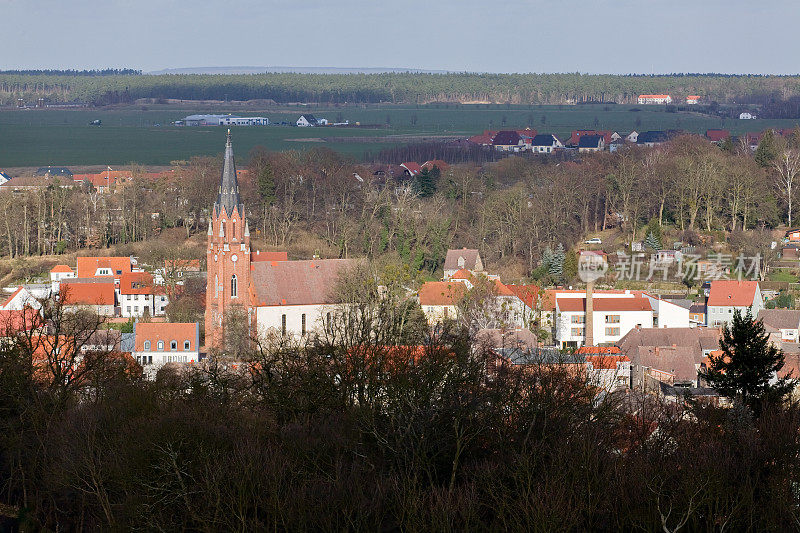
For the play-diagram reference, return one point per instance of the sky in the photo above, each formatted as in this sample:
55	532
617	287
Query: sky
589	36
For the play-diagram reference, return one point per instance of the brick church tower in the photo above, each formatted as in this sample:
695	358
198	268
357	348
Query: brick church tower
228	254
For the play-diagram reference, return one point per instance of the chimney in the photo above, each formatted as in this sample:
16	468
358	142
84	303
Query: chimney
589	325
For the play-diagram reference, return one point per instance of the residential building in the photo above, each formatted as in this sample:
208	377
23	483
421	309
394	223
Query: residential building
599	321
507	141
728	296
93	295
652	138
591	143
101	267
747	116
465	258
545	143
411	168
439	299
654	99
138	296
20	299
692	100
159	343
782	324
697	314
716	136
306	121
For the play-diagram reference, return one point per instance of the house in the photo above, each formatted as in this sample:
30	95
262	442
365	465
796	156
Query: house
507	141
545	143
609	370
20	299
632	137
4	177
599	321
53	172
306	121
746	116
439	299
607	135
58	273
792	235
784	323
96	295
697	314
672	355
591	143
159	343
31	183
654	99
652	138
411	169
138	296
467	259
434	163
727	296
716	136
231	120
692	100
484	139
93	267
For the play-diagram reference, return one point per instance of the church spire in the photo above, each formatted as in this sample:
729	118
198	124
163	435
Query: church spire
228	198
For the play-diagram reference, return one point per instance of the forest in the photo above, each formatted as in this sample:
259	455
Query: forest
109	87
376	424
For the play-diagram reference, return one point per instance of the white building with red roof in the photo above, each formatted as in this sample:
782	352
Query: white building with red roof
20	299
156	344
725	297
139	296
58	273
608	318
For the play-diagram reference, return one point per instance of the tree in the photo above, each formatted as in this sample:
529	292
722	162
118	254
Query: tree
787	165
651	241
425	183
556	265
747	366
767	149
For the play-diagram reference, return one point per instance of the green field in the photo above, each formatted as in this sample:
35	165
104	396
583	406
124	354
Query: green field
144	134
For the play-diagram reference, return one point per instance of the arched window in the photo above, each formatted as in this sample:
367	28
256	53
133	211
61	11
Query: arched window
160	345
146	346
216	285
186	346
233	286
222	229
233	229
173	345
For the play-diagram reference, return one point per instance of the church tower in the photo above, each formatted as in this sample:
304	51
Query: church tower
227	255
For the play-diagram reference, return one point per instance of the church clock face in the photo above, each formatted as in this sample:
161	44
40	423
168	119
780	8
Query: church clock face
234	258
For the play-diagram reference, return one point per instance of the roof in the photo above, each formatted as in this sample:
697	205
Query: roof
228	197
61	269
166	331
506	138
438	163
463	274
717	135
653	96
680	361
87	266
27	181
412	167
269	256
590	141
654	136
310	118
441	293
697	308
470	259
15	320
527	293
306	282
53	171
780	318
523	339
738	293
136	283
635	303
598	350
697	338
87	293
544	139
606	361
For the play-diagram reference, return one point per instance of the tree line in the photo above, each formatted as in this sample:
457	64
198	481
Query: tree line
409	88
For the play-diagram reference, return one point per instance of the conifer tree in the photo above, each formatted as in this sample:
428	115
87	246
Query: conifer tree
651	242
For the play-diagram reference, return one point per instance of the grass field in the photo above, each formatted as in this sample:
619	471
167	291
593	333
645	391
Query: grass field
144	134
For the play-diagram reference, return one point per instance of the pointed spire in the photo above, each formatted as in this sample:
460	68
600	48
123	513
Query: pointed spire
210	228
228	198
246	228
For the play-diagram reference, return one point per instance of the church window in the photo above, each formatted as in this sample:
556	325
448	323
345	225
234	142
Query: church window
233	286
216	285
233	229
283	324
160	345
303	324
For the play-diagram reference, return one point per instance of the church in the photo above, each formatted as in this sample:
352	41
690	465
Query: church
276	295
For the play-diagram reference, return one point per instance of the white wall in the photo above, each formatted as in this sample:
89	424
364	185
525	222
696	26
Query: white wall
628	320
269	318
669	315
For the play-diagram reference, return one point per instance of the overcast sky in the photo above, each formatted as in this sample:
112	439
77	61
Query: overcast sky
593	36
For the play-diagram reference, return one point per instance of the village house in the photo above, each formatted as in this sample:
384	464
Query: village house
103	267
716	136
591	143
20	299
507	141
781	324
138	296
439	299
747	116
652	138
306	121
545	143
728	296
96	295
465	258
654	99
411	168
692	100
159	343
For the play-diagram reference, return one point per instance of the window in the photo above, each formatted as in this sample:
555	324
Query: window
173	345
135	308
283	324
233	229
446	309
578	319
160	346
146	343
612	319
216	285
222	229
612	332
303	324
186	346
577	332
149	359
233	286
128	309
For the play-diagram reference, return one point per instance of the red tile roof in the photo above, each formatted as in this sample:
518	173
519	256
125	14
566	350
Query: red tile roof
297	282
136	283
412	167
60	269
463	274
527	293
13	294
606	362
596	350
269	256
634	303
732	292
717	135
87	293
87	266
441	293
438	163
166	331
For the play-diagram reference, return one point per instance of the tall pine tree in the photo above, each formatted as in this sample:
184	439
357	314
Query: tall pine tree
746	368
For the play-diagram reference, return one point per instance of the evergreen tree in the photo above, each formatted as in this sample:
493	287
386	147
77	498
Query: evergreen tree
425	183
767	149
747	365
651	242
547	258
556	267
266	184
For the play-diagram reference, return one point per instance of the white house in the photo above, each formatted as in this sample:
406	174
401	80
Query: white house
58	273
609	371
306	121
139	296
654	99
727	296
784	322
4	178
19	300
610	318
545	143
465	258
159	343
746	116
439	299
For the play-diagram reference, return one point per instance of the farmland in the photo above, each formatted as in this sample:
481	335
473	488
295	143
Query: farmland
145	134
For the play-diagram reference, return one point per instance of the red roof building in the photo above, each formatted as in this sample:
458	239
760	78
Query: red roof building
717	135
92	267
